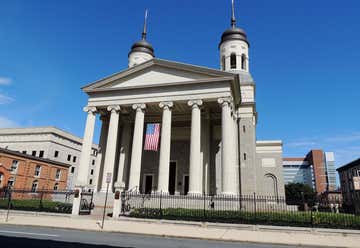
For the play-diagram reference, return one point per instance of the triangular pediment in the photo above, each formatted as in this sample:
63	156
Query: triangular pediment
157	72
155	75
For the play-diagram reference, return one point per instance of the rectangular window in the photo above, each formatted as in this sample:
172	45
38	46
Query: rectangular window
58	174
33	153
93	162
74	159
56	154
90	182
69	157
72	170
14	166
41	154
37	170
34	186
244	156
92	172
244	129
24	152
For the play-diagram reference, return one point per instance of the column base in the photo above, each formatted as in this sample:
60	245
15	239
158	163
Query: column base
194	193
229	194
77	201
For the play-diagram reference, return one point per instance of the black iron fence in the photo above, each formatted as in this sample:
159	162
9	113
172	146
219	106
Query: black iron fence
39	201
244	209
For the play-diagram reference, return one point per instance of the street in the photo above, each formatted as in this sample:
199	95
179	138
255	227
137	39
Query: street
26	236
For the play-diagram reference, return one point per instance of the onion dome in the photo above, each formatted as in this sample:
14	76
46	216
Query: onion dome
142	45
233	33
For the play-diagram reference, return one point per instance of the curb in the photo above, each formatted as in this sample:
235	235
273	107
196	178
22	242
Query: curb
224	226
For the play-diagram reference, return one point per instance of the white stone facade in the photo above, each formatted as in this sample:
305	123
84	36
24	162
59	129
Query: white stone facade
51	143
208	127
208	139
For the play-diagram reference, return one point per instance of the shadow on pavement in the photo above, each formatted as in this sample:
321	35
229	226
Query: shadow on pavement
14	242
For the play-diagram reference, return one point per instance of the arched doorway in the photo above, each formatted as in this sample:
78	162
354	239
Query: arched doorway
271	186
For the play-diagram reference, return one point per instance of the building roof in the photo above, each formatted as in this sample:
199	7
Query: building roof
243	77
293	159
27	156
42	130
349	165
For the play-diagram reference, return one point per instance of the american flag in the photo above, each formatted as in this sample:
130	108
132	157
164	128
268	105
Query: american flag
152	137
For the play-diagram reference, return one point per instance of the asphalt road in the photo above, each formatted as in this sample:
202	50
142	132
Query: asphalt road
41	237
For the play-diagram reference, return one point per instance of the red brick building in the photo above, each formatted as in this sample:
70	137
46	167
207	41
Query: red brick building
316	169
23	171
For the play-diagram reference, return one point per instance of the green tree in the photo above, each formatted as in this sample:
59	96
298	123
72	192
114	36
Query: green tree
299	193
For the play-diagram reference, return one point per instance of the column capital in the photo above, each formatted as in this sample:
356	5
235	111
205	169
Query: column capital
139	106
113	108
195	103
166	105
89	109
225	100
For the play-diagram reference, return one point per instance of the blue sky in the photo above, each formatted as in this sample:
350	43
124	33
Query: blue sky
304	56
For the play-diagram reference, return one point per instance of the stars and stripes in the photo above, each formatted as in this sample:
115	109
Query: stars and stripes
152	137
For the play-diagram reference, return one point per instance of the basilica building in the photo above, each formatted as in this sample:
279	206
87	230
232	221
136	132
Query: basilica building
205	141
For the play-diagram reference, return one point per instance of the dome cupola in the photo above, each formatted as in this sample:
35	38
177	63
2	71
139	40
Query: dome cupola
142	50
234	47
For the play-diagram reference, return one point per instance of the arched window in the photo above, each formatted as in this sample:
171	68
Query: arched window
11	182
223	62
1	180
34	186
233	61
243	62
271	185
56	186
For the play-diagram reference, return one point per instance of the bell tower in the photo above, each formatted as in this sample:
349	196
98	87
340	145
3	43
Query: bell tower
234	47
142	50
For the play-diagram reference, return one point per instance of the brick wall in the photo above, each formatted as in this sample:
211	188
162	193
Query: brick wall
25	175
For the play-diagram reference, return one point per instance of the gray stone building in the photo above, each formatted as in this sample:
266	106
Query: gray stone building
51	143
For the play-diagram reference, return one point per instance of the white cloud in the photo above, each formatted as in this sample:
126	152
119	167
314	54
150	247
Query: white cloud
346	146
301	143
344	138
6	123
5	99
5	81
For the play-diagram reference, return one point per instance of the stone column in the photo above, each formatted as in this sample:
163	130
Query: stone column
227	154
205	151
109	164
81	180
164	164
99	169
123	156
135	165
195	171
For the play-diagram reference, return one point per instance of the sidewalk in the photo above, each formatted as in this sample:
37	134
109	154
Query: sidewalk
197	230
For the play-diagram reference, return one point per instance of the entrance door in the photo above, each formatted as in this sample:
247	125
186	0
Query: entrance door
186	184
148	184
172	178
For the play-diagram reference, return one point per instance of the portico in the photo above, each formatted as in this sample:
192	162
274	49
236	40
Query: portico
207	123
186	110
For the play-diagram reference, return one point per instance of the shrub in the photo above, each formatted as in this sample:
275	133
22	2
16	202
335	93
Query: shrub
303	219
36	205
